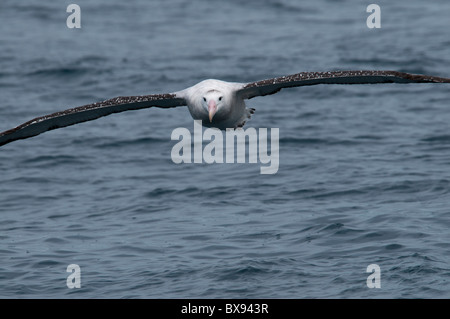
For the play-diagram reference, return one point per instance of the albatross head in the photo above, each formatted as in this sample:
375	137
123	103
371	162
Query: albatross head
212	101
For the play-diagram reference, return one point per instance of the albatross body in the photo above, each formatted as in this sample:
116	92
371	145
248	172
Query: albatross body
217	103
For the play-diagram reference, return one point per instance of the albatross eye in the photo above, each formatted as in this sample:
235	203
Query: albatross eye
204	99
220	98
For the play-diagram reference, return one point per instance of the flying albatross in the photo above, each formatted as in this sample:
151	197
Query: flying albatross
217	103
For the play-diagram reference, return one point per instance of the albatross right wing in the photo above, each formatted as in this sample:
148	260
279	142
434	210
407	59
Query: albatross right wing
271	86
88	113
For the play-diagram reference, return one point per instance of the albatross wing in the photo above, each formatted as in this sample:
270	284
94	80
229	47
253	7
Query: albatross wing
271	86
87	113
188	97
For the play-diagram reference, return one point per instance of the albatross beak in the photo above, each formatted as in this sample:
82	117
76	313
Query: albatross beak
212	108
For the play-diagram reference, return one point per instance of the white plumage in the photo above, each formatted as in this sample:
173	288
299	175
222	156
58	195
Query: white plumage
228	109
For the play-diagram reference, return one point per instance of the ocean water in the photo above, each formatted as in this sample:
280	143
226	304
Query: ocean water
364	170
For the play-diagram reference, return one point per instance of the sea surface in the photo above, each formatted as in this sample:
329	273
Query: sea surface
364	170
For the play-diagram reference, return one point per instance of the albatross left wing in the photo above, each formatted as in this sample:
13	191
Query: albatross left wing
271	86
88	113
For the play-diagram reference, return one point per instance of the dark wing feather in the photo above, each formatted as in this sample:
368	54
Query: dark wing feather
88	113
271	86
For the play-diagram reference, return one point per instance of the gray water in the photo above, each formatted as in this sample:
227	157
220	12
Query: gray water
364	172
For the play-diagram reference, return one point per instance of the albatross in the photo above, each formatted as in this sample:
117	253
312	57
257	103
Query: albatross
216	103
